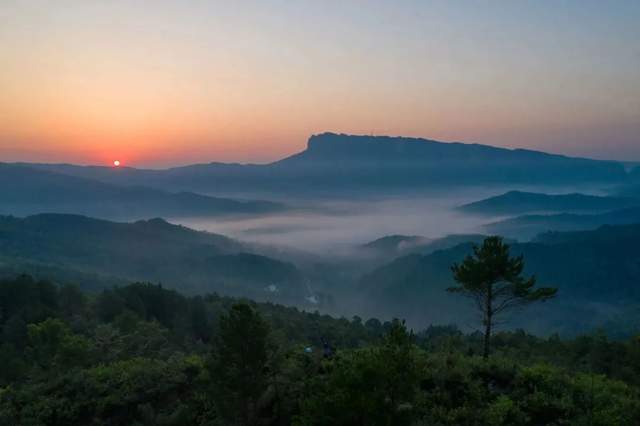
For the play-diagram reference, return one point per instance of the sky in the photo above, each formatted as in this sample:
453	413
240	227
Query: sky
162	83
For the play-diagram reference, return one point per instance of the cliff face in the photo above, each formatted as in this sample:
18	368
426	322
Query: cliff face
412	160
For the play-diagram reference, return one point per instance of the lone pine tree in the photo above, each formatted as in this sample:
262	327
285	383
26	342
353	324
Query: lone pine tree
493	279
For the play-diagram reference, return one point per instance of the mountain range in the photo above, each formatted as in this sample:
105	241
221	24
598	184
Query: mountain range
397	275
596	271
528	226
338	161
26	190
519	202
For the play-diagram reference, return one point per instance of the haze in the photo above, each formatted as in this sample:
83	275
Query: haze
168	83
339	225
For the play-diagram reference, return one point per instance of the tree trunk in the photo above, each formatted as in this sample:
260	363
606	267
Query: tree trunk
487	337
487	322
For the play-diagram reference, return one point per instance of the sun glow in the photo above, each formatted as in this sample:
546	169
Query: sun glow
116	163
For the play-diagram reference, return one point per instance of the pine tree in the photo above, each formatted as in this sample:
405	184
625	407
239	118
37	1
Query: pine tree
494	281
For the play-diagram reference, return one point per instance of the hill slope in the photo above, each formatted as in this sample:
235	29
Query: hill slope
393	246
28	190
518	202
152	250
528	226
596	273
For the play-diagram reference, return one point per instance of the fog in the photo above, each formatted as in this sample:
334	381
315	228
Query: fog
327	225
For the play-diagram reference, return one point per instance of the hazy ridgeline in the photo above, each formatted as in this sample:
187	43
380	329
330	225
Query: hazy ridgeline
352	225
270	294
203	223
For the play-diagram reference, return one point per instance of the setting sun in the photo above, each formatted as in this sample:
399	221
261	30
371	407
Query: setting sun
308	192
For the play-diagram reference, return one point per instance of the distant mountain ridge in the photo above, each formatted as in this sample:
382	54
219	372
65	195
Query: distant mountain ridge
338	161
396	243
28	190
393	246
528	226
519	202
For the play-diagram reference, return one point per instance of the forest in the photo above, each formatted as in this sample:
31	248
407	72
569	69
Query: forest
142	354
319	213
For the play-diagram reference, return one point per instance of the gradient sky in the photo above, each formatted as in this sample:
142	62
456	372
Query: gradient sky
162	83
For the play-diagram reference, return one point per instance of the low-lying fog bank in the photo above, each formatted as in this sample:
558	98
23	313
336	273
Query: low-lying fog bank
334	224
327	224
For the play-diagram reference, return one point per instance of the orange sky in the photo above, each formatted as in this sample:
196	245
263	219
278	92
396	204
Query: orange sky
168	84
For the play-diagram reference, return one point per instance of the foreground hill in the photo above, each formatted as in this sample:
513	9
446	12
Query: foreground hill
144	355
518	202
528	226
152	250
28	190
337	161
596	273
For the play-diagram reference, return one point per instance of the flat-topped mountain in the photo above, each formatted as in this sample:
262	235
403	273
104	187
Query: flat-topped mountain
518	202
338	161
388	160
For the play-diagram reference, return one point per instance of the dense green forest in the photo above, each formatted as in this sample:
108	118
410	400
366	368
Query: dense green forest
142	354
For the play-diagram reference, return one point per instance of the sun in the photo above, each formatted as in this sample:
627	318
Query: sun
116	163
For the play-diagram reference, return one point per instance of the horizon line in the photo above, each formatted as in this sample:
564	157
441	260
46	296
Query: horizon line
266	163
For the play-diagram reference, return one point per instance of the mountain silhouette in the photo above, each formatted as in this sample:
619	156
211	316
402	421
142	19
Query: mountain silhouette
338	161
26	190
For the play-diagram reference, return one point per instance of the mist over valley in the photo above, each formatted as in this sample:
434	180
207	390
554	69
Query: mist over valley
353	225
319	213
